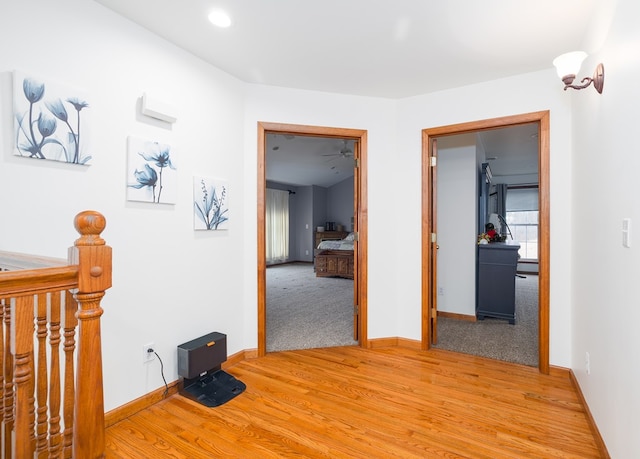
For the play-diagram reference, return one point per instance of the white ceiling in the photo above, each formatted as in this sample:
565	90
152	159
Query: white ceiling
303	161
391	49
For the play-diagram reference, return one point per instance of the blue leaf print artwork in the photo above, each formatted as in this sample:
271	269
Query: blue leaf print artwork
44	128
209	204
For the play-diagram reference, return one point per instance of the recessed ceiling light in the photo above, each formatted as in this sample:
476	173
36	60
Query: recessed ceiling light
219	18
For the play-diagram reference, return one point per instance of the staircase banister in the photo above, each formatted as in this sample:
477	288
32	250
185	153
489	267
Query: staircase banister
94	260
32	281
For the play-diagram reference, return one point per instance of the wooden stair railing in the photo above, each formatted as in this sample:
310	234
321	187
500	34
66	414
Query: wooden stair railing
61	304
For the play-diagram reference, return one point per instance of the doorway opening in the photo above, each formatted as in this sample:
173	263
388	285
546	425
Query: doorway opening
353	139
430	217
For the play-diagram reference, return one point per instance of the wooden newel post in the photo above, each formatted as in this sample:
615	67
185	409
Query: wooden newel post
93	258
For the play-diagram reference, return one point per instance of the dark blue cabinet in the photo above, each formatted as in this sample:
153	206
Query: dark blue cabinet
496	281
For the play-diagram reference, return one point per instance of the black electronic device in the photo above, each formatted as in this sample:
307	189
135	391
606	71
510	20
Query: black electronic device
201	377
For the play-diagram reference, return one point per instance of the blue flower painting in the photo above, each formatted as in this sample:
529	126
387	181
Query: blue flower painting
210	204
151	172
51	121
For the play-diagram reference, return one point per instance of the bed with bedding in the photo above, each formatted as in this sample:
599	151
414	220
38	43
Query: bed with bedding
334	258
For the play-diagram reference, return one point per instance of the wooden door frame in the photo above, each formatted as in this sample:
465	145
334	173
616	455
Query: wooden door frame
542	118
360	213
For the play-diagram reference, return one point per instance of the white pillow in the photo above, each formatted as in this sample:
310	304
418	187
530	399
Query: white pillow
350	237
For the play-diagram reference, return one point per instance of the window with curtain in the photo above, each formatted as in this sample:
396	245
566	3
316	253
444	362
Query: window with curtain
522	218
277	226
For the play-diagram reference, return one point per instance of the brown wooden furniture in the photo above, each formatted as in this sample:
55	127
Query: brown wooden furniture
51	388
334	263
320	236
329	269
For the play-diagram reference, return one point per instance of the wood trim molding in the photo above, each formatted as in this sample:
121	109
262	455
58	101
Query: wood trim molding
361	213
542	118
128	409
393	342
453	315
604	453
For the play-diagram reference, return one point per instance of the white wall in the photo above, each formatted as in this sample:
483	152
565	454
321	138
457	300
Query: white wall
606	162
519	94
170	283
377	116
165	290
457	219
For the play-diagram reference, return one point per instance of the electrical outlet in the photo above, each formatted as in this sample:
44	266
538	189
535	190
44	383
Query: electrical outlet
146	355
587	362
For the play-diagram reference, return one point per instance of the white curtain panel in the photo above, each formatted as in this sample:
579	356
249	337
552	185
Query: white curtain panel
277	222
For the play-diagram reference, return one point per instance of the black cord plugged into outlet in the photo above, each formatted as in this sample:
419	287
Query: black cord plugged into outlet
166	386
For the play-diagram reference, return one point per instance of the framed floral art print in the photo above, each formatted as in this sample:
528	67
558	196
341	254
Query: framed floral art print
151	172
210	204
51	121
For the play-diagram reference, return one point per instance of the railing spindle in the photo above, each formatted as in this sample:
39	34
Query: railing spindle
3	381
55	440
8	399
23	377
70	324
41	377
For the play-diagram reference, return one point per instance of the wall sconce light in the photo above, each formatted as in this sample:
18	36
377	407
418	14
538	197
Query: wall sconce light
568	65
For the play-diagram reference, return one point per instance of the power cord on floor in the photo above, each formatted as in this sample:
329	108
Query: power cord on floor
166	386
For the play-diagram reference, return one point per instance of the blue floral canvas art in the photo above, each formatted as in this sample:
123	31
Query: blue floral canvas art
151	172
51	121
210	204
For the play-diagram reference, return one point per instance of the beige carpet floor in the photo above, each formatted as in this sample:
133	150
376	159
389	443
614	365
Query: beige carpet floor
305	311
496	338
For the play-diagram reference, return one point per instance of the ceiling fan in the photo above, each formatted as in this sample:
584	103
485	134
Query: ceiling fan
344	152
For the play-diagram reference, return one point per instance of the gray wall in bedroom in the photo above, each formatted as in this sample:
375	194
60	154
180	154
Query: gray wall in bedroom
319	216
340	203
312	206
303	224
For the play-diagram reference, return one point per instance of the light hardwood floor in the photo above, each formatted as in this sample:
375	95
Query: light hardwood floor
349	402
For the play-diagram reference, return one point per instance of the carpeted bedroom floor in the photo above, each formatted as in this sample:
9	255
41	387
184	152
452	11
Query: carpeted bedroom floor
304	312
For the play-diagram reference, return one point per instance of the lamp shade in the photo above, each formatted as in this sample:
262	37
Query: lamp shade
569	63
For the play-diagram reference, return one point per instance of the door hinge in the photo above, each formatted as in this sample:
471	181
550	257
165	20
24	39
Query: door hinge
434	313
356	309
434	237
356	236
433	161
356	162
